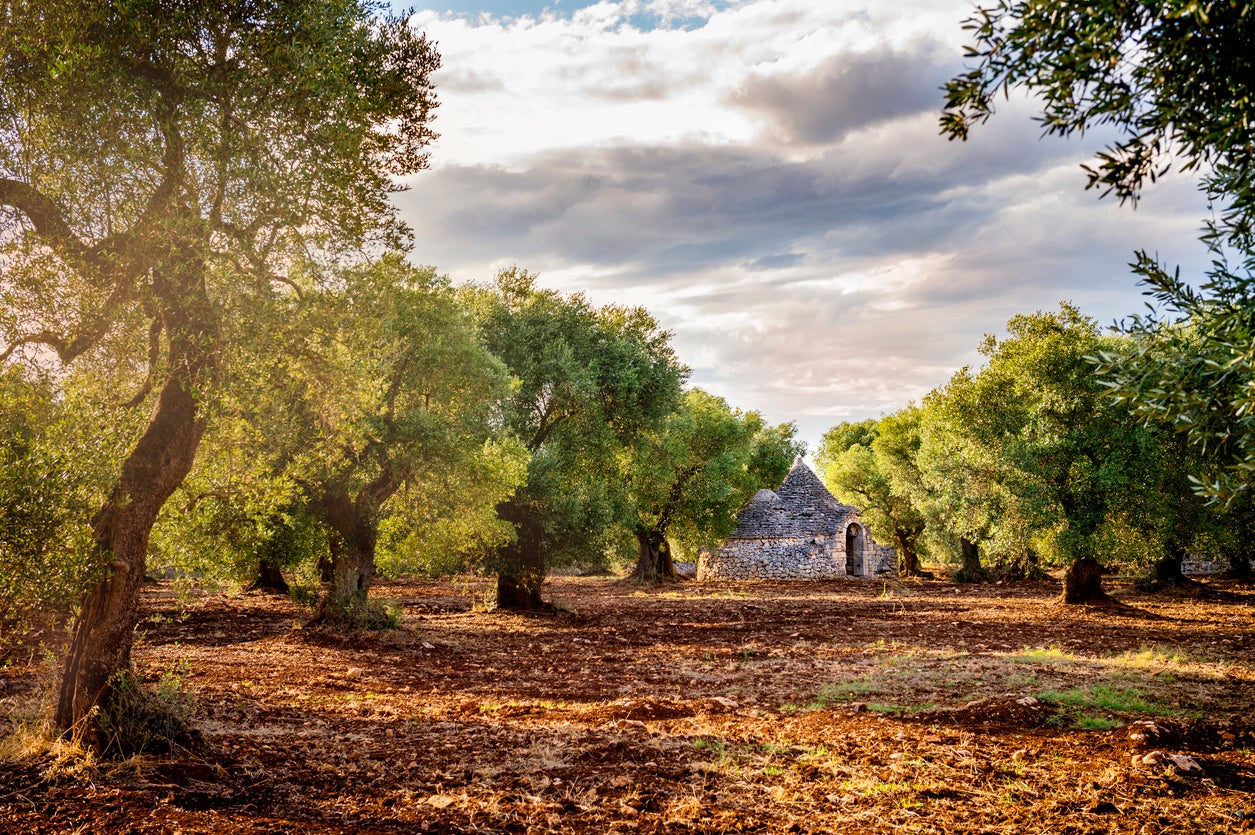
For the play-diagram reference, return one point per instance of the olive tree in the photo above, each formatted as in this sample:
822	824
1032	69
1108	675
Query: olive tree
589	382
1174	80
862	464
688	477
153	155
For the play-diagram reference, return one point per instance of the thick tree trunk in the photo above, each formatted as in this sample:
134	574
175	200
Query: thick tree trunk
522	564
654	563
161	459
971	571
522	574
1083	582
353	537
908	557
1167	570
269	578
519	594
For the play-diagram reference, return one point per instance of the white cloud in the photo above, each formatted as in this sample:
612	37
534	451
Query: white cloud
767	177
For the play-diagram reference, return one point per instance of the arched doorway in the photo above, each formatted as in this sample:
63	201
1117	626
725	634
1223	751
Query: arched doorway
854	551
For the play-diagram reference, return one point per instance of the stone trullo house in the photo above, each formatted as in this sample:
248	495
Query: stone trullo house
799	532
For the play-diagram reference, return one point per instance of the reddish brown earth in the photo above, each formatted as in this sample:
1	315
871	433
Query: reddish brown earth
848	707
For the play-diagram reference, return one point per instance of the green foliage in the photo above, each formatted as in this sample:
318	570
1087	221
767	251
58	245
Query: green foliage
690	476
774	450
448	523
1027	456
1191	368
139	720
57	448
1174	79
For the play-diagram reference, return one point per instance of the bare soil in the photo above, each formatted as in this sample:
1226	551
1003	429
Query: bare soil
756	707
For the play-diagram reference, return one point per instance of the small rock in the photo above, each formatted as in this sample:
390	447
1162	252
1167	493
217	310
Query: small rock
725	702
1028	701
1144	733
1185	764
354	673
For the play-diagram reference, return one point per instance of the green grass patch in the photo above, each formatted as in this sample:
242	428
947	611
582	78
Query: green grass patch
1090	708
1096	723
1105	697
1042	655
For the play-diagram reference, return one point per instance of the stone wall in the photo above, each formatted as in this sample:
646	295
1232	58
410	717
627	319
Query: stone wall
880	561
792	558
784	558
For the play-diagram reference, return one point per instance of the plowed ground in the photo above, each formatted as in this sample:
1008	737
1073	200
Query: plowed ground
849	707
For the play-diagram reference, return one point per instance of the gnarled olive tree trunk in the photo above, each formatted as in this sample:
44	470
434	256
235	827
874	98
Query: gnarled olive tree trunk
152	471
354	524
654	563
1082	583
269	578
521	571
971	571
910	566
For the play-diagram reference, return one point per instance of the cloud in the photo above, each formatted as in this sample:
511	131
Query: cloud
672	208
849	91
767	177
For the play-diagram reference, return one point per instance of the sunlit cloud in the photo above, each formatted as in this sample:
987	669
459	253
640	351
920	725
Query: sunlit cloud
767	177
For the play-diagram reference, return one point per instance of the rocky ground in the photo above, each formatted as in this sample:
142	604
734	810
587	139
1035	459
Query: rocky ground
829	707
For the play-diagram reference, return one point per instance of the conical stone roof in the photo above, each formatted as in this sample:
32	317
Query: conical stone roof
801	507
760	516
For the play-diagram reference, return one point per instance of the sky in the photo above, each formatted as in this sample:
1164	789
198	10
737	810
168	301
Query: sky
768	179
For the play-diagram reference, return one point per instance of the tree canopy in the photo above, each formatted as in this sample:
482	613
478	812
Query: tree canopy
589	382
160	162
1174	80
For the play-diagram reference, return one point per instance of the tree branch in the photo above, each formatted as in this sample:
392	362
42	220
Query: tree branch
154	354
48	219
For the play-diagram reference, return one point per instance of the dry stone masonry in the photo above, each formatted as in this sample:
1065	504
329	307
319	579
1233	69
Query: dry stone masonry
799	532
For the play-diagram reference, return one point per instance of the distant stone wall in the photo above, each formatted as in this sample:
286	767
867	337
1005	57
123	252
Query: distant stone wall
792	558
881	561
1205	565
785	558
